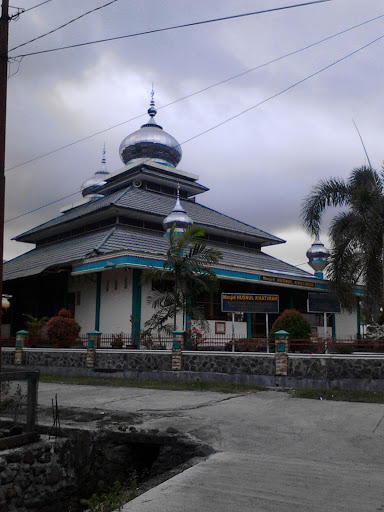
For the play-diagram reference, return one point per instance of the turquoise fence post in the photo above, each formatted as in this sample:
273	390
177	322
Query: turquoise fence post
281	352
177	347
93	342
21	338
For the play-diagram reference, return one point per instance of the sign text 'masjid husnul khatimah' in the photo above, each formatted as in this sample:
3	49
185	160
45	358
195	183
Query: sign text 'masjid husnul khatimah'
249	303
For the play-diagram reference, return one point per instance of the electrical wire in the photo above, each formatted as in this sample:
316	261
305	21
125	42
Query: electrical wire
196	92
174	27
286	89
34	7
42	206
65	25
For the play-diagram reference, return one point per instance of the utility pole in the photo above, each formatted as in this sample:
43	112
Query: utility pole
4	21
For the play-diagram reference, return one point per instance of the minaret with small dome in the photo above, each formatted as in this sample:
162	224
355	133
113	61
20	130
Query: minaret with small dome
178	217
151	142
88	188
318	256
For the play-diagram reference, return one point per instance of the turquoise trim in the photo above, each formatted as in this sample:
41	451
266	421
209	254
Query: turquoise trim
136	305
118	260
234	273
249	325
98	300
151	262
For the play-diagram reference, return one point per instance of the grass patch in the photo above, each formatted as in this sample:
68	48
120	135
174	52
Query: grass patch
345	395
175	385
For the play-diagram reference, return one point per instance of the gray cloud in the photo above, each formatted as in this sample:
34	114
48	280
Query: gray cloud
260	166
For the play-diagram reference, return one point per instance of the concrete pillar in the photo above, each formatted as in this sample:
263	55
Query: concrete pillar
178	346
93	343
136	306
21	337
281	352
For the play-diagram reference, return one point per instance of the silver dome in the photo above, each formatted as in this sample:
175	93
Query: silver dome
151	142
177	217
91	184
318	256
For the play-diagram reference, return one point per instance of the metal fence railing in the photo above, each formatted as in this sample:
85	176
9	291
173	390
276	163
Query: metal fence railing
206	343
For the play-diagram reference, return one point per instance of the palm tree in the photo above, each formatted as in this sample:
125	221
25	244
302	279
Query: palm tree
186	273
356	233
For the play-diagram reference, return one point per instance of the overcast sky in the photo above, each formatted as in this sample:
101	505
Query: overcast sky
260	166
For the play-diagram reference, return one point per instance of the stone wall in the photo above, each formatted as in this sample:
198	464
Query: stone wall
133	360
333	367
228	363
60	474
7	356
117	360
36	477
363	371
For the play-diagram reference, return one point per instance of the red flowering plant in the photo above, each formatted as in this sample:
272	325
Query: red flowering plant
194	336
62	329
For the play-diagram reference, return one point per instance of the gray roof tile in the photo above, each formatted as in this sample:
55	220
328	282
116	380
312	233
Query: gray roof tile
133	241
141	200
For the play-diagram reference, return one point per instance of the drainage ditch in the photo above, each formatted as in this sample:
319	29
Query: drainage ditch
60	474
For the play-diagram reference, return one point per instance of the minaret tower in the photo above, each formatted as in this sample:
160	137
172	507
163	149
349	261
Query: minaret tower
318	256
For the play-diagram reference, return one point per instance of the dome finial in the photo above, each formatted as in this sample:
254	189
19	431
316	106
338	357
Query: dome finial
152	110
103	159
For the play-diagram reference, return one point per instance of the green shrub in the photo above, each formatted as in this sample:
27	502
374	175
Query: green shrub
293	322
62	329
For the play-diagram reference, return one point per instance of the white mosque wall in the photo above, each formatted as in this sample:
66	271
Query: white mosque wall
346	325
240	330
85	308
116	302
147	311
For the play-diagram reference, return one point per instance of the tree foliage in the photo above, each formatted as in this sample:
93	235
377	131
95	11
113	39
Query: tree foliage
356	233
34	324
186	272
293	322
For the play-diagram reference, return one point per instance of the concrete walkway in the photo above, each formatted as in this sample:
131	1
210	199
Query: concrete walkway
274	453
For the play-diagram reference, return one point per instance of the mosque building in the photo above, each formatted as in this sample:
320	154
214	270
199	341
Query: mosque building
91	257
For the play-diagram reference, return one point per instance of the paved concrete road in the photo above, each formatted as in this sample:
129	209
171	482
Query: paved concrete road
274	453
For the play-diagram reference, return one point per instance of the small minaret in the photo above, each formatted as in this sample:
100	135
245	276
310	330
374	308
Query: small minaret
89	187
177	217
318	256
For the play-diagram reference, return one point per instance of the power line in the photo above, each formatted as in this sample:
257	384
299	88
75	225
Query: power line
284	90
34	7
240	113
174	27
65	24
196	92
42	206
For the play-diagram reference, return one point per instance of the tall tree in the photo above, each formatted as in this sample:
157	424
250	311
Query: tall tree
186	273
356	233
